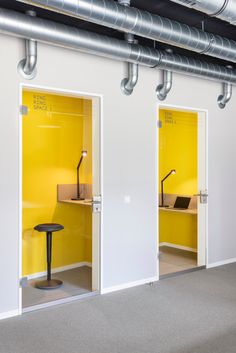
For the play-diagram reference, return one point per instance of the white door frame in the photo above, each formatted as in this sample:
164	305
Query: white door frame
79	94
202	209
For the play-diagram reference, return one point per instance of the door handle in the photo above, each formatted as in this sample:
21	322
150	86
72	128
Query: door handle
97	204
203	196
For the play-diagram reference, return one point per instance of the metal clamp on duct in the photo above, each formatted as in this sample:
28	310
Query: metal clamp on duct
27	66
128	83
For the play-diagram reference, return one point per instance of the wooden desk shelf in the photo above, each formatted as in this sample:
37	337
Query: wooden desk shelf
66	192
171	209
86	202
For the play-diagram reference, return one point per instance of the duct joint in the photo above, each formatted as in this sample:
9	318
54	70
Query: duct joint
211	43
27	66
226	2
124	2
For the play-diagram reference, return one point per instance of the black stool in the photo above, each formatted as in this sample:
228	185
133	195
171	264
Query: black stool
49	228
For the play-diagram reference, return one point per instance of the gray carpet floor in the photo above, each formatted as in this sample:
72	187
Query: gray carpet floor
75	282
191	313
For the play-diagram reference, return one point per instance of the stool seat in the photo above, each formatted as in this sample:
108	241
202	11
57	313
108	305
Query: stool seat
48	227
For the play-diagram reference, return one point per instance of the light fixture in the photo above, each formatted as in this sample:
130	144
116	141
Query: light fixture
78	198
173	171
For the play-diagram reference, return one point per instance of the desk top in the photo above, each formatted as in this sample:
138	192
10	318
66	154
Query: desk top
85	202
191	211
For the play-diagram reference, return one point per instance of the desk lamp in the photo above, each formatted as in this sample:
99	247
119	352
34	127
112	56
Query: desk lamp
173	171
83	154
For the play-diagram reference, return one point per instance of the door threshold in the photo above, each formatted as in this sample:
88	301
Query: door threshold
59	302
179	273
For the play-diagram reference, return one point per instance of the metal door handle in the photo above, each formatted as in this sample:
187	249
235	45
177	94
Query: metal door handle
201	195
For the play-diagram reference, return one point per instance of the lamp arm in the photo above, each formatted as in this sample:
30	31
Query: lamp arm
80	161
166	176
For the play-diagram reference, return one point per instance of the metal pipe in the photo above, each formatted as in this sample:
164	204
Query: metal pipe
164	88
50	32
224	98
27	66
128	83
222	9
142	23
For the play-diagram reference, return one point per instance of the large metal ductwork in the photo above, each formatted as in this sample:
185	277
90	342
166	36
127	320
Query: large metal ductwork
50	32
222	9
142	23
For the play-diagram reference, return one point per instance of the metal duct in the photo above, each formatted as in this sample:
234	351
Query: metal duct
27	66
24	26
128	83
164	88
222	9
142	23
224	98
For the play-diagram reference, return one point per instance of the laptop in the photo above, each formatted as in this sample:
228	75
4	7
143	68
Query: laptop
182	203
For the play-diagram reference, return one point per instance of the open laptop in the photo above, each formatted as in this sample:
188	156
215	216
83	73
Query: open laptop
182	203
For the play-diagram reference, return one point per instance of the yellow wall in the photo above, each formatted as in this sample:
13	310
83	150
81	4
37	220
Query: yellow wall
178	150
54	132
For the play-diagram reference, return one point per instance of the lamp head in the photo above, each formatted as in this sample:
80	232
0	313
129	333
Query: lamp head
84	153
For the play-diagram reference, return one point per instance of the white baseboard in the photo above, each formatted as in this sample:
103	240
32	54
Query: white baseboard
176	246
129	285
59	269
9	314
221	263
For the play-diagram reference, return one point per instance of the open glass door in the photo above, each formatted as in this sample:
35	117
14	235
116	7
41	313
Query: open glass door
97	196
61	197
202	195
182	190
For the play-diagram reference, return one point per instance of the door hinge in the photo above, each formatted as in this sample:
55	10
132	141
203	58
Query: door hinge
159	124
24	110
24	282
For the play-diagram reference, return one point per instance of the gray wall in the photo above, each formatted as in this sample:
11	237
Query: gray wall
130	143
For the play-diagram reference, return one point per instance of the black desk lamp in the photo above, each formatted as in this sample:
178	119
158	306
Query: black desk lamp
83	154
173	171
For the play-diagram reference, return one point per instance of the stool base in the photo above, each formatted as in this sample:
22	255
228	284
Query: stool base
48	284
